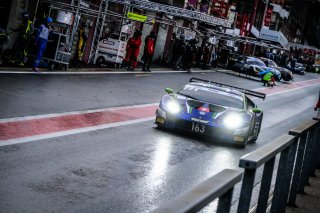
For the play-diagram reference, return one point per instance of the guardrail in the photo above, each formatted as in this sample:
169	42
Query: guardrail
297	162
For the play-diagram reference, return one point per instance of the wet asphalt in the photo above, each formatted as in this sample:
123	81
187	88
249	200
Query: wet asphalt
131	168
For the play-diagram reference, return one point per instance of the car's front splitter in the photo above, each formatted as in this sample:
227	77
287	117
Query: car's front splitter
231	136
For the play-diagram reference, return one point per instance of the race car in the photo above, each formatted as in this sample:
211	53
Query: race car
214	109
286	74
252	66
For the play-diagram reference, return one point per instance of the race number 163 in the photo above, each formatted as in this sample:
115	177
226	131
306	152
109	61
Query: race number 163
199	128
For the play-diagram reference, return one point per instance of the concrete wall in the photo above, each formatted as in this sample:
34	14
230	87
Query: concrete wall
161	41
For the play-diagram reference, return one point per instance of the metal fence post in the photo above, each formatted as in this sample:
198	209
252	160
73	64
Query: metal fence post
297	170
314	153
199	196
316	163
306	167
288	176
265	186
316	145
280	181
246	190
266	156
224	203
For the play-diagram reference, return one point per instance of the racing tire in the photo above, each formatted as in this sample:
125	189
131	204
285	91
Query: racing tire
254	140
159	127
241	146
251	71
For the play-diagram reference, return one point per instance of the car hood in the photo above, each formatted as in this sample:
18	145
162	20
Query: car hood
202	112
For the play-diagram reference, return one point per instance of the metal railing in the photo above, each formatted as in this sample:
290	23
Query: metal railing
298	160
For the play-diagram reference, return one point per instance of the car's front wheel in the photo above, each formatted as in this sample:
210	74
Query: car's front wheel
243	145
251	71
255	137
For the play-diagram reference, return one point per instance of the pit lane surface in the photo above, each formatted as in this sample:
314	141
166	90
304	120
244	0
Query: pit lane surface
129	168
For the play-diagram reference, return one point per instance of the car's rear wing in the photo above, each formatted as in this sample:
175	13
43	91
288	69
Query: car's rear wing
245	91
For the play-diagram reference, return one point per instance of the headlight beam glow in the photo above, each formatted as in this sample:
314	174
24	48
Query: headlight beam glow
233	121
172	107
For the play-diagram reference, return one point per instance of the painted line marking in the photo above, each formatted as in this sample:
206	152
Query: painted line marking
51	115
71	132
39	127
100	72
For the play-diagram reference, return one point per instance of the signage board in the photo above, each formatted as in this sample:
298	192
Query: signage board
112	50
230	43
136	17
272	35
213	40
64	17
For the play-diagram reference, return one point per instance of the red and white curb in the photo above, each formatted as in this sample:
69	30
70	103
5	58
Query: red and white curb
31	128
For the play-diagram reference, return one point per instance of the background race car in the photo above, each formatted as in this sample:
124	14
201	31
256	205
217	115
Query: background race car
214	109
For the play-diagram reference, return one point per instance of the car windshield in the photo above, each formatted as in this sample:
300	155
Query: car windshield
212	95
256	62
272	63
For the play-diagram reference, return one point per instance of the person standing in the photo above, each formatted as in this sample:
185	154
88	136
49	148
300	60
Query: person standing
293	64
179	50
148	51
24	30
206	56
41	41
214	57
133	49
199	55
81	45
191	51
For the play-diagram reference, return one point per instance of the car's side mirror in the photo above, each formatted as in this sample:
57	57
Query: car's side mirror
256	110
169	90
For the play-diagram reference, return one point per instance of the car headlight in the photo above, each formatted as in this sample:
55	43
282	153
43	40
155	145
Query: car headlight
233	121
172	107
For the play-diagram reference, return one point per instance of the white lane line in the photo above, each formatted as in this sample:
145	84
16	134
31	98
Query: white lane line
72	132
31	117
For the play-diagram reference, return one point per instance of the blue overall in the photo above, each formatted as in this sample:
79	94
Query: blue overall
41	40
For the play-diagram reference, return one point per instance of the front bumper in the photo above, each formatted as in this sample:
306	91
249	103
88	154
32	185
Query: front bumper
238	136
